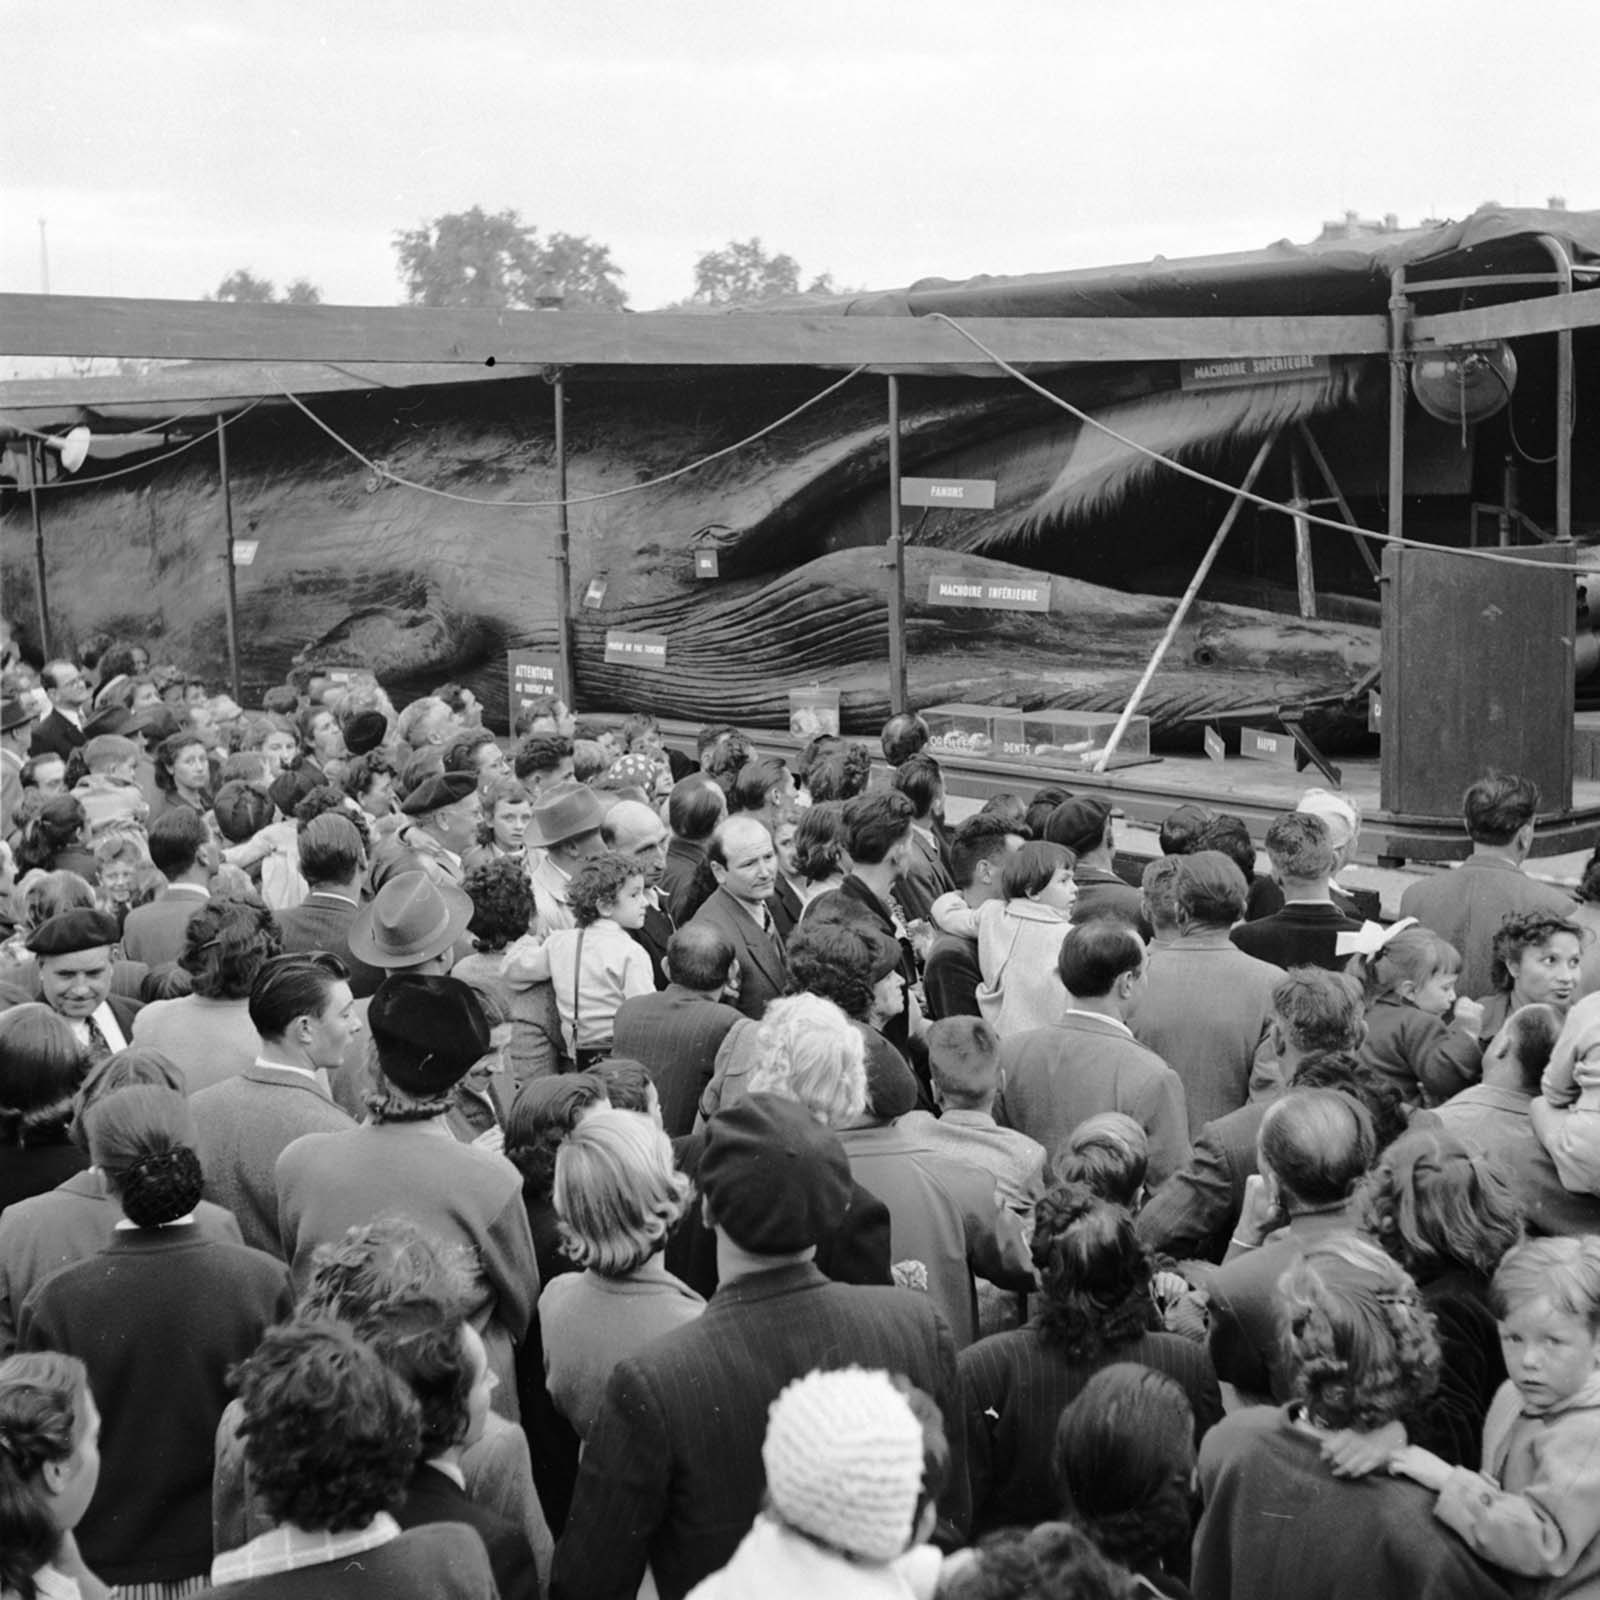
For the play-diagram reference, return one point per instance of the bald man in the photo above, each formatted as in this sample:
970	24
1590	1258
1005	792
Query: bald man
745	865
633	829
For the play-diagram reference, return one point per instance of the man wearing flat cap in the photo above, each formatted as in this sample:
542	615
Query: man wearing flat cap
672	1476
74	954
441	825
16	733
565	826
1083	825
427	1034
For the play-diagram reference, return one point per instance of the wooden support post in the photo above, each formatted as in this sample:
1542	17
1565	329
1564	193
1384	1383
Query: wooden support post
41	587
1199	578
231	599
1399	319
1305	577
1320	462
563	549
897	562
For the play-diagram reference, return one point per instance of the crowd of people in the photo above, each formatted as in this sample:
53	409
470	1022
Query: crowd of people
442	1164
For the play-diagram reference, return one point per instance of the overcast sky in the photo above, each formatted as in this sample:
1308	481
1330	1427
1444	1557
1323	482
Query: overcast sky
884	140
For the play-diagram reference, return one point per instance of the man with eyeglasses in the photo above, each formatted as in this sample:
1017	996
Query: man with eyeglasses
61	731
302	1007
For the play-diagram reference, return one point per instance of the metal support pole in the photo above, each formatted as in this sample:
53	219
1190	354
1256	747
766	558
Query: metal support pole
1183	605
563	550
1399	318
1304	572
898	700
35	467
1565	400
232	593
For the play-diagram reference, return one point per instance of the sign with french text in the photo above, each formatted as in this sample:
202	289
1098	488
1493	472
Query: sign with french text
534	674
1230	372
647	650
1259	745
989	594
960	494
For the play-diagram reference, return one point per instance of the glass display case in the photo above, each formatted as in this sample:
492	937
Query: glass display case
1078	738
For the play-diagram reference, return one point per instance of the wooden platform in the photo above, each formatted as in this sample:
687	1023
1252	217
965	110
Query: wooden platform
1257	791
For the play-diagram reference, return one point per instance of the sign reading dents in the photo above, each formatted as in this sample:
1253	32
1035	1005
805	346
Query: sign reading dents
956	494
647	650
989	594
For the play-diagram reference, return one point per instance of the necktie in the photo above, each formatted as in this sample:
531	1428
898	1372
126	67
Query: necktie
99	1048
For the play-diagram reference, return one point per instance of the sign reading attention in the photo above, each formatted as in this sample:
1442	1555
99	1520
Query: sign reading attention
989	594
648	650
961	494
1230	372
533	674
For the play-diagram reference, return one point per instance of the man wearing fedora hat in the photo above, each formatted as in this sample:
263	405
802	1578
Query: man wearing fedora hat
566	826
16	733
414	925
428	1032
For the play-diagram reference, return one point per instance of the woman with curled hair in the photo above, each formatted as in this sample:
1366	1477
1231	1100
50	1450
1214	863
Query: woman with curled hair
208	1032
1536	960
41	1066
1447	1215
183	773
57	839
77	1218
49	1467
819	850
1095	1308
1124	1464
618	1195
332	1437
158	1317
402	1290
1361	1352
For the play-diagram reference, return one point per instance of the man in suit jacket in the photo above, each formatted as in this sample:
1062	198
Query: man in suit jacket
1207	1005
746	870
305	1014
73	952
1083	825
332	861
180	846
1325	1140
925	875
677	1033
61	731
1305	933
1467	906
672	1473
1089	1062
1315	1015
16	734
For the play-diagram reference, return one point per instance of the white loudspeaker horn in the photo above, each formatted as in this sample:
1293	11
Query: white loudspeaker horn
74	448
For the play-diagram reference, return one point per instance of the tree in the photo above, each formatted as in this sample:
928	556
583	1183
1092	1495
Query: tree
243	287
742	273
474	258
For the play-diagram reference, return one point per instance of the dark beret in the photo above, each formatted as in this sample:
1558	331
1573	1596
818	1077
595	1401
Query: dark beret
434	794
82	929
365	731
775	1179
428	1031
1079	824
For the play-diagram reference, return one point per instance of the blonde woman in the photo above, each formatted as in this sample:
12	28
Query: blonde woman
618	1195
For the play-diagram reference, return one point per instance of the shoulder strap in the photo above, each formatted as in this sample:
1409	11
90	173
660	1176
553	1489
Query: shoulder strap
577	990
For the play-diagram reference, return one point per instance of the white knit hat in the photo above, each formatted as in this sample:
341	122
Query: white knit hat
843	1455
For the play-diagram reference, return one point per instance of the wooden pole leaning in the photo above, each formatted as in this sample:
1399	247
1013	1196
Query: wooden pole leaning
1165	642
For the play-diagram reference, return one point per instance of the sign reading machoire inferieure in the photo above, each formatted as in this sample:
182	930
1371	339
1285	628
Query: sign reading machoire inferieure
989	594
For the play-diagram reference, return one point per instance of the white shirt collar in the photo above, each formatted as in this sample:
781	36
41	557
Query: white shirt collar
1099	1016
451	1470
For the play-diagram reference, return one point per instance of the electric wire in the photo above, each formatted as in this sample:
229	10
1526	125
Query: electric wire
152	461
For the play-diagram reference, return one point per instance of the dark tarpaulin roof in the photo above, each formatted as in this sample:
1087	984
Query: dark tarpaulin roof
1329	277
